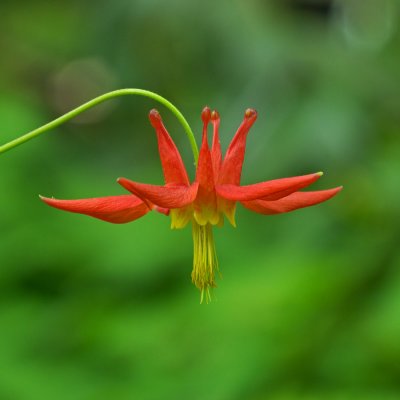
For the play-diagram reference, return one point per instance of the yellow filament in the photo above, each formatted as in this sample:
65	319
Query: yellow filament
205	262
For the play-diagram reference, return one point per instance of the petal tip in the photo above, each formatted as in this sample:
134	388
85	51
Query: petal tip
215	115
250	113
334	191
206	114
320	173
155	118
123	182
46	200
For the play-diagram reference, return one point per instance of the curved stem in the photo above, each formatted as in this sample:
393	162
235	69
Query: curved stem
100	99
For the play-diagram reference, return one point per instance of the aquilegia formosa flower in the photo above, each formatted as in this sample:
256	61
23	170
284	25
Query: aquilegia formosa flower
213	194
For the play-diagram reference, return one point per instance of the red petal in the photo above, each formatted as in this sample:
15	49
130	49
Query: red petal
171	160
231	169
115	209
206	200
292	202
216	155
276	188
204	172
162	196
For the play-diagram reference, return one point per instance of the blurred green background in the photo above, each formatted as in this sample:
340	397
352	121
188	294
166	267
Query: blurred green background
309	304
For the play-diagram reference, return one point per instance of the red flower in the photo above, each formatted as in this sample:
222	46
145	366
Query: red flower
213	194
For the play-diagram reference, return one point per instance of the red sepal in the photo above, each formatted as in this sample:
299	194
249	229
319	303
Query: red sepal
163	196
171	160
292	202
274	189
114	209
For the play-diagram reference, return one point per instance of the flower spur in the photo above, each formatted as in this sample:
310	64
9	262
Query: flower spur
204	203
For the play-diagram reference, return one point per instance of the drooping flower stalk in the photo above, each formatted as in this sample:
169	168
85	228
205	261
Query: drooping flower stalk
100	99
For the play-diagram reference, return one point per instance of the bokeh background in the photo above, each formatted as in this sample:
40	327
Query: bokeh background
309	303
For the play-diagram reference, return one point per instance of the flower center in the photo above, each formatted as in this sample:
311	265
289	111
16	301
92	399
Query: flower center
205	262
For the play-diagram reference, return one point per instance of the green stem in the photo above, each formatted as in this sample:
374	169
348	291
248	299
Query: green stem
100	99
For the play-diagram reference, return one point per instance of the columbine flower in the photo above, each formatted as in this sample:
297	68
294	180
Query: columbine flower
213	194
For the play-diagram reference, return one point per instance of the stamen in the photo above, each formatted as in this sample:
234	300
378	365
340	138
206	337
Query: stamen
205	262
